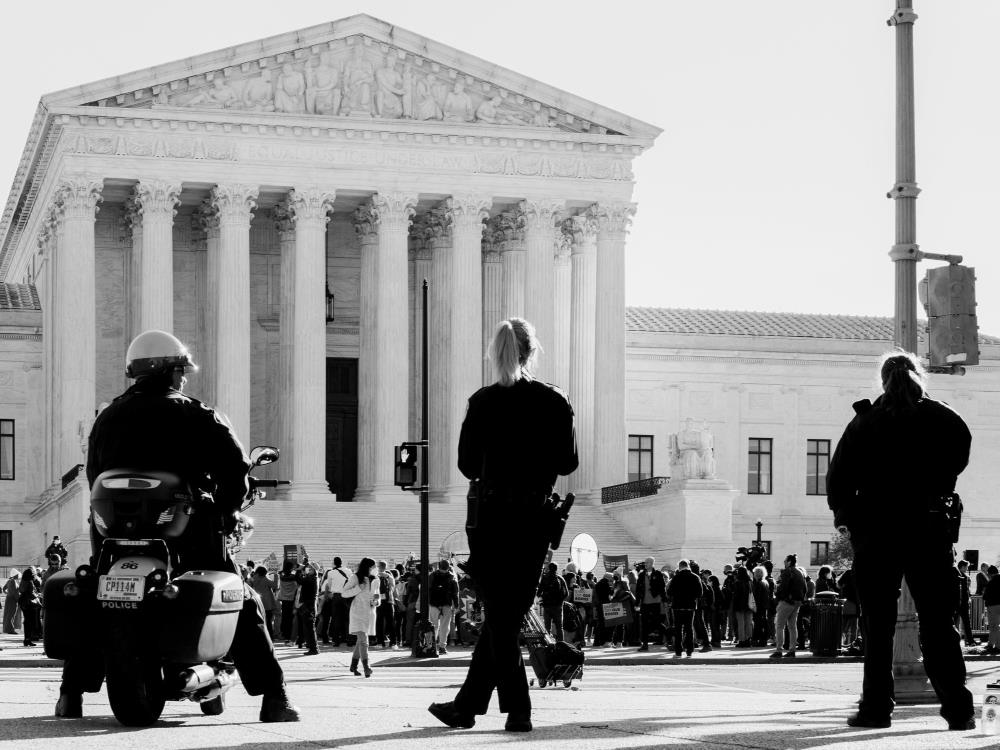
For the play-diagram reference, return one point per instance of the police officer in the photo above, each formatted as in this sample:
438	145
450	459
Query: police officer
155	425
518	435
897	458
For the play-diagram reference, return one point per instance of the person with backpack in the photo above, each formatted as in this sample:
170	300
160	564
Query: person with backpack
553	592
442	594
384	618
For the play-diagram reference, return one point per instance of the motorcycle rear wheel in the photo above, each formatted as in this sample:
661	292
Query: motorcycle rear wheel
135	682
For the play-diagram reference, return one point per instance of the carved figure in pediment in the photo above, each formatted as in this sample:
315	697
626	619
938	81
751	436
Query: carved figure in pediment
389	91
408	92
488	111
425	106
258	96
323	87
359	78
290	90
220	95
458	104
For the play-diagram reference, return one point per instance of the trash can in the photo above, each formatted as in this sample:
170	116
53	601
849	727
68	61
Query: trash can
827	624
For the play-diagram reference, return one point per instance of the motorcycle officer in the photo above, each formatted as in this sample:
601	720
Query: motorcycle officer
154	424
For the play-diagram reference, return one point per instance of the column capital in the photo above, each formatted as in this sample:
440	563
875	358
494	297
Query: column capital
393	210
613	218
581	230
158	198
468	211
284	222
234	204
77	195
562	245
491	249
366	223
541	215
310	205
507	229
206	218
420	238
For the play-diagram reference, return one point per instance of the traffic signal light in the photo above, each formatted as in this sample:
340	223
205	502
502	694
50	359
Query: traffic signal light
406	465
949	297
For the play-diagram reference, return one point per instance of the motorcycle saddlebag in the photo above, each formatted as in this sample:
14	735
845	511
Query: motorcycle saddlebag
64	635
199	624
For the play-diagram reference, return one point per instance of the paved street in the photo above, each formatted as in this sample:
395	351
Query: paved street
685	705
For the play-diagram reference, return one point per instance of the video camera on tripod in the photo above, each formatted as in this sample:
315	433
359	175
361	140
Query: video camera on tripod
752	556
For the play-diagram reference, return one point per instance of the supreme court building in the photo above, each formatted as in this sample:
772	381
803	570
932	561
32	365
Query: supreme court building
277	205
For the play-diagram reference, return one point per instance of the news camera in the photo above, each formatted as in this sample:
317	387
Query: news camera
752	556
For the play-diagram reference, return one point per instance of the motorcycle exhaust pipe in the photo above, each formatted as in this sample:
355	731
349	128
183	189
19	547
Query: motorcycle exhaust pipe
197	677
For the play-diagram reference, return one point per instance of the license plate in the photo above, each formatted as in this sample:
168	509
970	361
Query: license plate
121	588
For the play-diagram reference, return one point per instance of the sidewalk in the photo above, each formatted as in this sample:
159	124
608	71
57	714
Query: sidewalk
14	654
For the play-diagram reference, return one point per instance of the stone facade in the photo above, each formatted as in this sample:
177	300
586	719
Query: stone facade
243	198
789	379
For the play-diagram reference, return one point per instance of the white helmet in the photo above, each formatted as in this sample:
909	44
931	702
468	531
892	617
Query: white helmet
153	352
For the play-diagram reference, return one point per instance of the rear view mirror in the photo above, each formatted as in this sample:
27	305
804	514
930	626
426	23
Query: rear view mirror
263	455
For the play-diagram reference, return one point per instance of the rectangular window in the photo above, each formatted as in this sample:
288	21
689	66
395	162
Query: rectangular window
640	457
759	469
819	553
817	463
6	543
6	448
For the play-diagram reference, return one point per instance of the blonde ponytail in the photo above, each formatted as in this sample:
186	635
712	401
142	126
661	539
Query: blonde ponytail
513	351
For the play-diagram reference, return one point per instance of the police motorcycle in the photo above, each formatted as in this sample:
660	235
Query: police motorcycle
165	633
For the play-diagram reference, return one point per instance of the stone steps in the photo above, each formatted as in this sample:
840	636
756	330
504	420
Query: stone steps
390	530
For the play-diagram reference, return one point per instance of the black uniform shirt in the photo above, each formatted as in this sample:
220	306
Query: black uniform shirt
153	428
523	435
887	464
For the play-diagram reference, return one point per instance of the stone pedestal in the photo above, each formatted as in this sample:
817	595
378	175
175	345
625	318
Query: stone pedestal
690	518
911	683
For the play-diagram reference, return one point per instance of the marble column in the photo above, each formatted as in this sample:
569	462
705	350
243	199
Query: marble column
562	286
75	297
156	201
48	247
583	300
234	205
420	269
539	277
133	268
310	208
366	225
492	300
508	230
208	219
438	222
285	227
391	376
465	364
610	435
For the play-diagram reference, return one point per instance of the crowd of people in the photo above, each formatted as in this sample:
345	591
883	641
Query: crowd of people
370	604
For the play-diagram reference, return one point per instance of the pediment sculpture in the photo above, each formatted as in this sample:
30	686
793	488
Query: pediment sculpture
355	80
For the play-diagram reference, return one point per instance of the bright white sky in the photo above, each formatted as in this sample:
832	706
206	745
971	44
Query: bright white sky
766	189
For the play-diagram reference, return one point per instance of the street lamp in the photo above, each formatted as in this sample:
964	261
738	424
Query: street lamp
758	524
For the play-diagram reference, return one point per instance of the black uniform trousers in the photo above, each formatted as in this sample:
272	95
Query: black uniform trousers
507	591
880	566
683	630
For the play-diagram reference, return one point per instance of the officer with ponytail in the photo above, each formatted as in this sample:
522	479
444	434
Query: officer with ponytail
891	486
517	437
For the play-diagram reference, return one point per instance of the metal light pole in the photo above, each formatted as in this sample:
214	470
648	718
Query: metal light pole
905	252
911	681
759	524
422	626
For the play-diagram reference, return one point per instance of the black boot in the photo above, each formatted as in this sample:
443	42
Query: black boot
70	705
354	667
368	670
277	707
